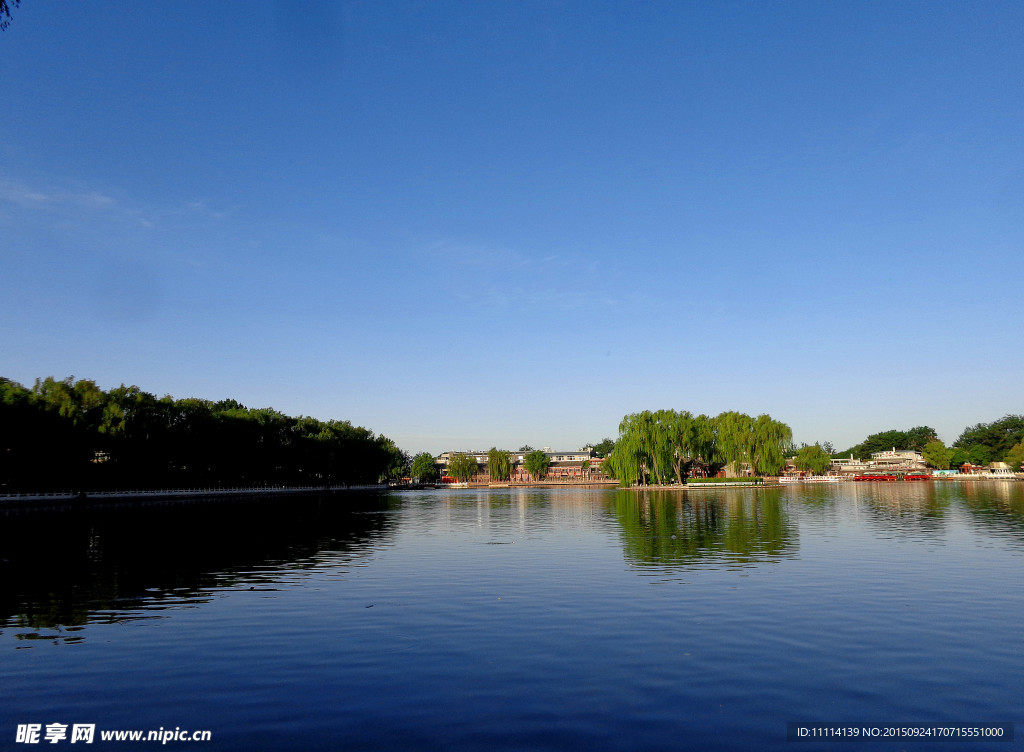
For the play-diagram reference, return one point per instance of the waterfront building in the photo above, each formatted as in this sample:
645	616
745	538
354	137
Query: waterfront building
565	465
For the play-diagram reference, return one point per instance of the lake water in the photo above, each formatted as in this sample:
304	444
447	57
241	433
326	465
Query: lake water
564	619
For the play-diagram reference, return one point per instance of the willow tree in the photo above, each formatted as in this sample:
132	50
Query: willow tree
663	444
733	434
632	460
625	463
704	445
769	440
461	466
499	464
680	429
655	446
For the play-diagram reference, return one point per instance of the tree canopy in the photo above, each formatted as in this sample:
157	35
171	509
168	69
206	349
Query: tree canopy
424	469
499	464
1015	457
937	454
814	459
461	466
71	434
659	446
536	463
996	438
914	438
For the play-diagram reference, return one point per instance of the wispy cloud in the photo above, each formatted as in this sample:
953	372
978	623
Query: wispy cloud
80	203
21	194
517	281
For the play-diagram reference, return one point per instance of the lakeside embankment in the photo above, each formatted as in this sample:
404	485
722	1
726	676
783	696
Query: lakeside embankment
59	500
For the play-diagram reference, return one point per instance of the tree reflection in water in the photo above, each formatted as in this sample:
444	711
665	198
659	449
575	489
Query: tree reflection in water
710	528
60	572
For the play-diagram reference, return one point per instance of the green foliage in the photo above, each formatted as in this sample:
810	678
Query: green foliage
768	442
461	466
604	447
536	463
1015	457
915	438
657	447
399	462
979	455
424	468
658	529
959	457
814	459
937	454
72	435
499	464
996	438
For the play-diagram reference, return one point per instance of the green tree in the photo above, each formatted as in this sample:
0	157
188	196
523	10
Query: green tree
733	435
536	463
631	460
937	454
914	438
657	446
959	457
72	435
398	461
604	447
461	466
499	464
979	454
1015	457
997	438
424	469
768	442
813	459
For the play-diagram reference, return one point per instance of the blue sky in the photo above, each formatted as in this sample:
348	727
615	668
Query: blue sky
466	224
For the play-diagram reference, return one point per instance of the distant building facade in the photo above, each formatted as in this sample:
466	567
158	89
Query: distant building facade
579	465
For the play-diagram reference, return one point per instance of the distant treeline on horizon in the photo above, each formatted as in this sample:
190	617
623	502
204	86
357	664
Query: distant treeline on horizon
979	444
71	435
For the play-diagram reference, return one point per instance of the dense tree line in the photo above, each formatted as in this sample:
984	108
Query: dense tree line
980	444
993	441
914	438
666	445
72	435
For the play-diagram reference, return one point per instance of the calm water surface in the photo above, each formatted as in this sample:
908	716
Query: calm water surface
522	619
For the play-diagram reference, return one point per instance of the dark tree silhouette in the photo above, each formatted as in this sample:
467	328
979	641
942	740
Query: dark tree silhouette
5	12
